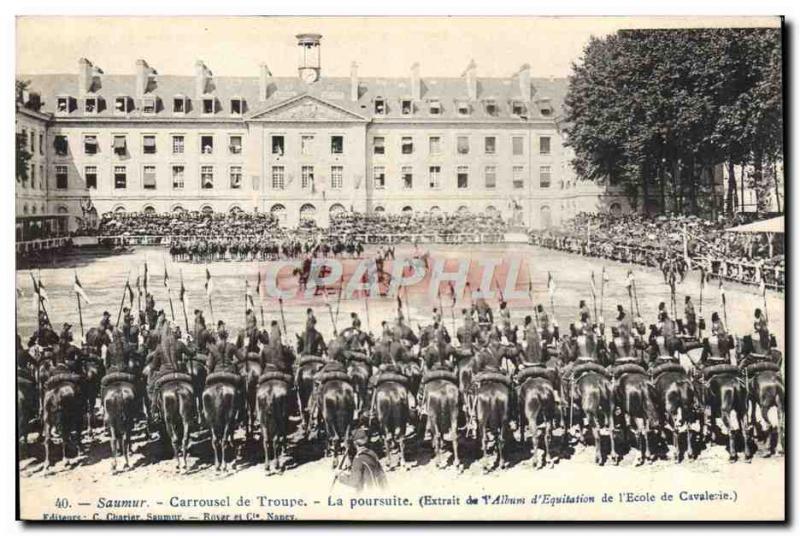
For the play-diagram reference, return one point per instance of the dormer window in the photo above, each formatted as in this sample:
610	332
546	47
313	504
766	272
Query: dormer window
518	108
380	106
63	105
209	105
545	108
149	105
463	108
237	106
406	107
91	105
122	105
435	107
179	105
491	107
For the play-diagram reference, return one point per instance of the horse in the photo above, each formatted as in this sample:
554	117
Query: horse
197	371
93	370
493	401
592	395
338	404
307	368
537	409
725	396
26	406
62	410
219	407
391	404
766	391
119	405
675	403
272	402
633	396
441	401
249	368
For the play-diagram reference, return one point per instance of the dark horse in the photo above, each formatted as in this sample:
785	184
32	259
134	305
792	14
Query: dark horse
675	403
727	399
766	391
493	402
249	368
538	409
391	404
338	404
220	402
62	412
634	397
441	401
590	393
119	405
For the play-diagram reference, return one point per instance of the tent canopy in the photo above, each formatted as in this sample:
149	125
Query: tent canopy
772	225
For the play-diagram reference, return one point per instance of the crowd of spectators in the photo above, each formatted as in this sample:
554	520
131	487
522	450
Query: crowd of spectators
438	226
654	240
194	224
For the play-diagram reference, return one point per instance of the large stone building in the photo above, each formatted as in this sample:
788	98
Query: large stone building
302	146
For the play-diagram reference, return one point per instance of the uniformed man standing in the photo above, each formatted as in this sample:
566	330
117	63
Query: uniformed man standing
762	328
365	472
691	317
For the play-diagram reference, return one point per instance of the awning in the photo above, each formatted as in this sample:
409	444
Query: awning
150	141
119	142
90	140
772	225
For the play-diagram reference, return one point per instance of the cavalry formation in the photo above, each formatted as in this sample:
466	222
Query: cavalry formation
630	386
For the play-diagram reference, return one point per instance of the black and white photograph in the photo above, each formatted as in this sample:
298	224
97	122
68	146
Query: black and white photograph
504	268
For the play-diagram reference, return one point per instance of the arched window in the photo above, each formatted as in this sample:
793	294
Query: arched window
463	209
25	209
207	210
336	209
62	210
177	209
308	212
379	210
279	212
435	210
235	209
148	209
491	210
120	209
34	209
544	217
408	211
616	209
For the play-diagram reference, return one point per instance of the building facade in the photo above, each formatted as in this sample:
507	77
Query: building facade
302	147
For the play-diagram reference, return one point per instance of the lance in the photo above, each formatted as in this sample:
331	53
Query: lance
122	301
366	309
245	301
41	302
183	304
171	308
602	289
339	299
260	299
408	306
594	300
283	318
636	297
702	284
80	313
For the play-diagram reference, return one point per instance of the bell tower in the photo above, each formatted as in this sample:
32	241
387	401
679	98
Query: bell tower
308	65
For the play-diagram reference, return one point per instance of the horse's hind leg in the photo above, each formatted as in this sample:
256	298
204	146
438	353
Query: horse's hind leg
113	433
402	445
222	440
185	443
126	445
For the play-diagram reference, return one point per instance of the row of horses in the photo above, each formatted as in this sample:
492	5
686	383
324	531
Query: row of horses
445	385
243	249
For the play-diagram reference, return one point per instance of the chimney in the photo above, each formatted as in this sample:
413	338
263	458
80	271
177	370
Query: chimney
85	74
471	76
416	90
354	82
143	72
201	76
525	82
264	80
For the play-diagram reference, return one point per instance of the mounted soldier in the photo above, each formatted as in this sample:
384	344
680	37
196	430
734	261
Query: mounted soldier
691	316
761	327
624	323
533	349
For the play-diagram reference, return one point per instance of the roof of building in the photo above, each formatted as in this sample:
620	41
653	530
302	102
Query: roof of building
772	225
336	90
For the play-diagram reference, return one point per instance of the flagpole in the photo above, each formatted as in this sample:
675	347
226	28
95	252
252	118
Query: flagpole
283	318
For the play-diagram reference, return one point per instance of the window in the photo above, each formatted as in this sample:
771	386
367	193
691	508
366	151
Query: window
306	141
149	105
149	144
407	176
337	144
378	145
490	144
120	145
177	144
406	107
463	108
491	107
379	177
337	177
380	106
90	105
435	144
149	177
462	145
179	105
235	145
90	144
33	176
544	176
62	105
462	177
434	176
307	176
490	176
178	173
518	145
544	145
518	177
209	105
41	143
406	145
237	106
206	177
277	177
518	108
545	110
435	107
120	177
207	144
61	145
121	105
236	177
33	142
277	145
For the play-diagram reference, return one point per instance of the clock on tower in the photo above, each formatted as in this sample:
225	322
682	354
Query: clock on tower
308	66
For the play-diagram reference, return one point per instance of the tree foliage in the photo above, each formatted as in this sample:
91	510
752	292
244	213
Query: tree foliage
23	156
654	111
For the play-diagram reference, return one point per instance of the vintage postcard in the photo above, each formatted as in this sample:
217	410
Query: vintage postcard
372	268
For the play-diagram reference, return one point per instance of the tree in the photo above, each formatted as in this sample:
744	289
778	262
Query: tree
23	156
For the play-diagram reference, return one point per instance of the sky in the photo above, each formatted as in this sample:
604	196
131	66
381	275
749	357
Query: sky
382	46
